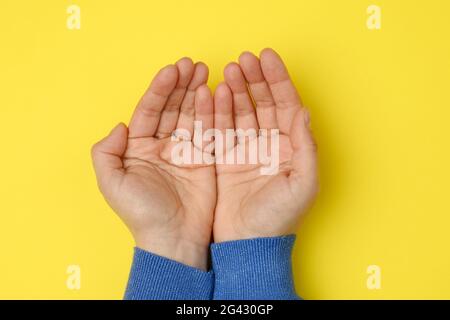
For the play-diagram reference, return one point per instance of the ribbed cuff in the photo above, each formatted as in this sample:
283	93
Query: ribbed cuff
153	277
255	269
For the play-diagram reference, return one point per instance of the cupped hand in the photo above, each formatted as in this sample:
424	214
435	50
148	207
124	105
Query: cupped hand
167	207
251	204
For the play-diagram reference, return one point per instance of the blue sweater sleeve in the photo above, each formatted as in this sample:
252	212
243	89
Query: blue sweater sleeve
254	269
153	277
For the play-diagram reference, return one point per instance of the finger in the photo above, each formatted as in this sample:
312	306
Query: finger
204	113
223	120
243	110
107	155
283	90
223	108
260	91
187	109
303	178
169	116
146	117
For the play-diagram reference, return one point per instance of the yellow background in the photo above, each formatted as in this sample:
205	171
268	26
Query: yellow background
380	109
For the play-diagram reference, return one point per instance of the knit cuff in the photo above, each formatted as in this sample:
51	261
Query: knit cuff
254	269
153	277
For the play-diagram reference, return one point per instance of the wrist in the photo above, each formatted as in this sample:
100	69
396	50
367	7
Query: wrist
228	235
180	250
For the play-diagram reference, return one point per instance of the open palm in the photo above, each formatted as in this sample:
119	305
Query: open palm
167	207
250	204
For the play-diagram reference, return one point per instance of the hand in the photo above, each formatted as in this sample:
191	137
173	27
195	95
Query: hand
249	204
168	208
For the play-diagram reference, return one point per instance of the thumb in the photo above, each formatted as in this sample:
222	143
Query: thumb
107	154
303	178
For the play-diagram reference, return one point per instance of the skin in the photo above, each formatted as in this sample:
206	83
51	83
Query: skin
168	208
249	204
172	210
